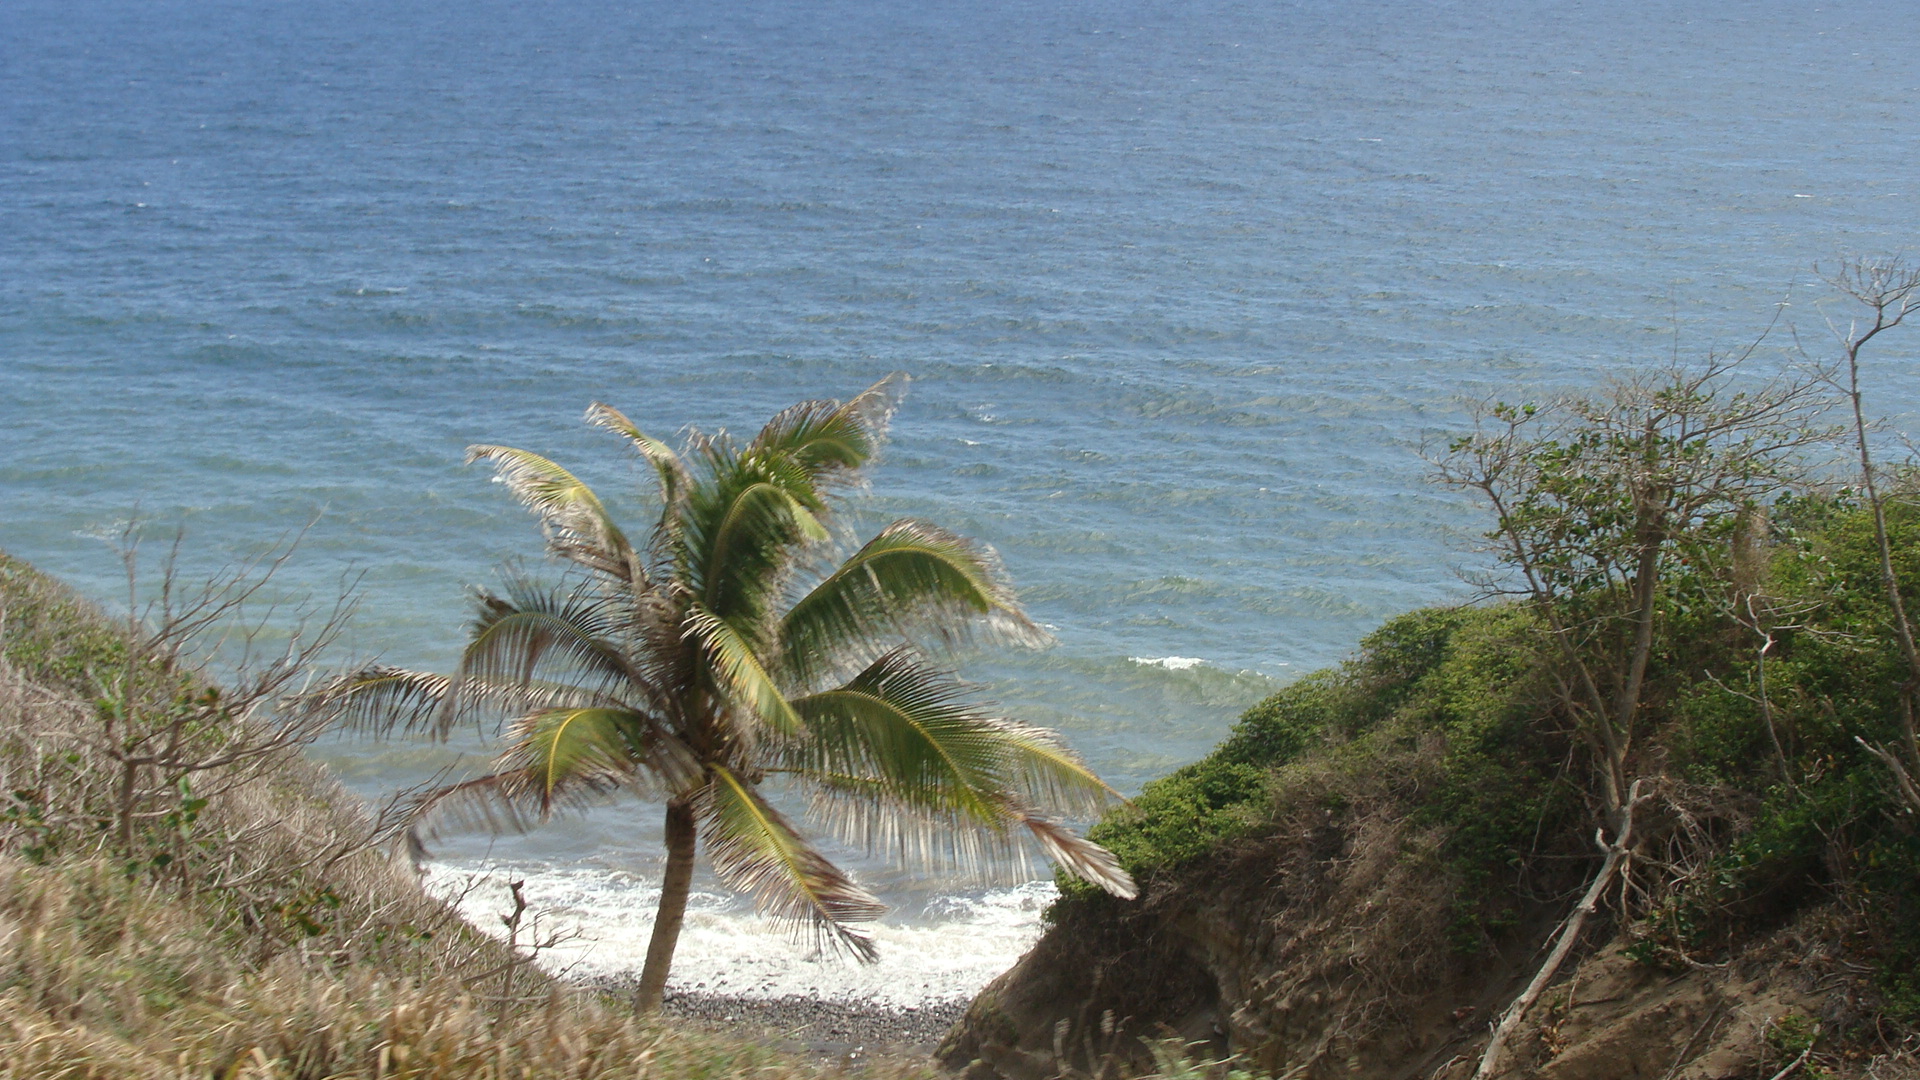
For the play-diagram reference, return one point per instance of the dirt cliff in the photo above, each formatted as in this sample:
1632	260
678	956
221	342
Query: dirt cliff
1301	958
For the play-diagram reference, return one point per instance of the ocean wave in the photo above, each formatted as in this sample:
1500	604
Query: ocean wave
1171	663
599	921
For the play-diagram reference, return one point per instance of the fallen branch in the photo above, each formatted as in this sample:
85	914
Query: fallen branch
1792	1065
1617	853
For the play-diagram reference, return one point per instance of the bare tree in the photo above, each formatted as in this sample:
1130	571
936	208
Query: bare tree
204	696
1604	508
1888	291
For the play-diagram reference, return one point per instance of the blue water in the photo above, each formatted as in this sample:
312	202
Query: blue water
1183	287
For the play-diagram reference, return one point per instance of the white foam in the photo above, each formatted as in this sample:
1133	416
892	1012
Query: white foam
1171	663
604	918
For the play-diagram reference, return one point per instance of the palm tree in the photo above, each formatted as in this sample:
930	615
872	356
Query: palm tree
698	666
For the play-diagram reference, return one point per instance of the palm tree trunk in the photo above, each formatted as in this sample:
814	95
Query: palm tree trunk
682	834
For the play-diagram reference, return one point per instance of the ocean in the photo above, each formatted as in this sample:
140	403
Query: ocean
1184	289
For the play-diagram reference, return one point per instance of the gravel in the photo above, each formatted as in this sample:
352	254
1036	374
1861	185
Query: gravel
835	1030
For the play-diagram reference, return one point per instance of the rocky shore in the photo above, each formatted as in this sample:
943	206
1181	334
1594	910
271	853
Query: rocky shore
837	1030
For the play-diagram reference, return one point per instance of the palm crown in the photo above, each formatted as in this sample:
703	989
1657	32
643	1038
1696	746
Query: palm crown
694	668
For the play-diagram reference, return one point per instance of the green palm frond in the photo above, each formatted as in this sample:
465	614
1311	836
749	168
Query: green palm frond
378	699
558	759
567	635
912	578
866	814
909	730
906	763
558	753
1041	769
672	472
832	441
913	727
738	674
745	535
755	849
583	532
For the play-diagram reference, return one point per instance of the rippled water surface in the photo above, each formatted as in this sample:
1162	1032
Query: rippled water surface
1183	288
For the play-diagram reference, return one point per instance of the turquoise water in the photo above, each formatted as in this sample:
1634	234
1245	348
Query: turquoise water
1183	287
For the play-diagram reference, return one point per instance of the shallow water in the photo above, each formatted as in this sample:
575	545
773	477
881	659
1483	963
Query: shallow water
1183	287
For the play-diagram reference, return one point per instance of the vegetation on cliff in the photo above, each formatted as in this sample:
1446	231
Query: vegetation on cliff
1773	818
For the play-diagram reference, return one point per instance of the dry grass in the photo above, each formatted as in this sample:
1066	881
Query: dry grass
108	977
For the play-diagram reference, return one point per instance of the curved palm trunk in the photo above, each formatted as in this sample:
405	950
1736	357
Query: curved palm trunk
681	838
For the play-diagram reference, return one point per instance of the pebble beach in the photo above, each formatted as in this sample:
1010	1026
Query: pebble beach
835	1030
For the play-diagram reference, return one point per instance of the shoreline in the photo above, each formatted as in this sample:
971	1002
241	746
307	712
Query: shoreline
820	1027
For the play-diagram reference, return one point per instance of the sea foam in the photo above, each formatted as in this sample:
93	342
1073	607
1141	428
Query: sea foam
600	920
1171	663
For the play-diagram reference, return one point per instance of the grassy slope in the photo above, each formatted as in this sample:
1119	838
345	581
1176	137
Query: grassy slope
250	936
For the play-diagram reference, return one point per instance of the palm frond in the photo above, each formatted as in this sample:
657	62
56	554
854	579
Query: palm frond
491	803
1042	770
913	728
559	759
667	465
565	635
1082	857
520	697
755	849
864	813
747	540
583	532
500	802
377	699
911	579
912	733
832	441
559	753
905	763
738	673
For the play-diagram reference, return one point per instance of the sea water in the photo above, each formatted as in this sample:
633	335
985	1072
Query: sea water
1184	288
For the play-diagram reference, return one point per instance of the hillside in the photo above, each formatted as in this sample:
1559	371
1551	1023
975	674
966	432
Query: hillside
1370	868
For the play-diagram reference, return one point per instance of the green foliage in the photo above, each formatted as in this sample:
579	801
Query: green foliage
1792	1037
50	634
1823	813
1461	676
1185	814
